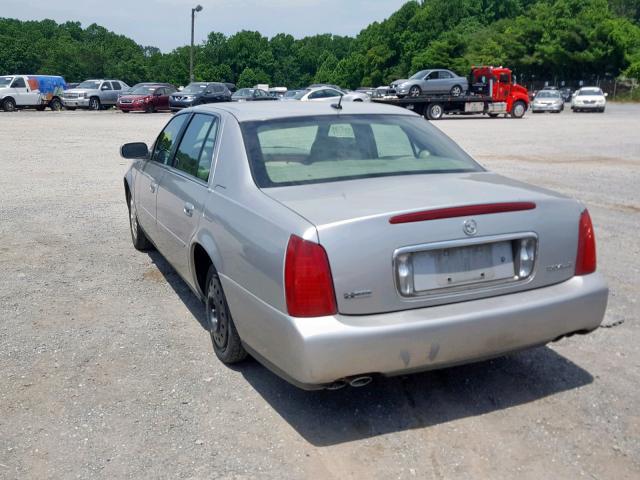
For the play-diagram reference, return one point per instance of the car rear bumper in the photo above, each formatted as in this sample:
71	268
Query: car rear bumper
314	352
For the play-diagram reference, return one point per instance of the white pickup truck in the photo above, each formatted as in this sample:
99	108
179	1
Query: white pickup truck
31	91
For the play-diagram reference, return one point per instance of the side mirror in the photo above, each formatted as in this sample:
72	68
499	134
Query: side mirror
606	94
134	151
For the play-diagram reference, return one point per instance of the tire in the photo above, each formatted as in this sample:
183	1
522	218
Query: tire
224	336
94	104
415	91
124	111
55	105
9	105
40	108
435	111
138	237
602	110
456	91
493	115
150	109
70	108
518	110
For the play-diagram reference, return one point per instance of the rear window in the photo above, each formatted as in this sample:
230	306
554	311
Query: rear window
327	148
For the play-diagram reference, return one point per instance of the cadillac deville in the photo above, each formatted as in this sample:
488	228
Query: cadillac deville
335	243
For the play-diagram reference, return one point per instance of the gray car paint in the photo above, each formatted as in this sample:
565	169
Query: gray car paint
107	97
245	231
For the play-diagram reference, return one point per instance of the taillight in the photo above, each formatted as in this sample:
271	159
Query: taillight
307	280
586	257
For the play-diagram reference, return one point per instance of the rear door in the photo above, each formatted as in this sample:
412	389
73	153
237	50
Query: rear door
184	188
151	171
23	95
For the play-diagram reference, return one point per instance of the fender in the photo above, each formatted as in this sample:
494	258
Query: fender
206	241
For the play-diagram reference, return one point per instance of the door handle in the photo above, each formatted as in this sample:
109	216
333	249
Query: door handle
188	209
152	187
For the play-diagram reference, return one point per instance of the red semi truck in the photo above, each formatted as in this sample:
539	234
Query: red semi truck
492	91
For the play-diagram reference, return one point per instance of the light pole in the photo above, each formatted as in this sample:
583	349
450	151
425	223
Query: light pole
198	8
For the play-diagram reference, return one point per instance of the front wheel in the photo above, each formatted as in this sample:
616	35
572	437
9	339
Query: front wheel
224	336
456	91
415	91
518	109
94	104
9	105
138	237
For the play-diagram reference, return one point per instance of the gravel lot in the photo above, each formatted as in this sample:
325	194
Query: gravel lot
106	371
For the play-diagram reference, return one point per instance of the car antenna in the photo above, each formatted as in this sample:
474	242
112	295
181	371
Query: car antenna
338	106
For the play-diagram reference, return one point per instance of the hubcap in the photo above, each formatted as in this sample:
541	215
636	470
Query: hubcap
217	314
133	219
456	91
519	110
94	104
414	92
436	112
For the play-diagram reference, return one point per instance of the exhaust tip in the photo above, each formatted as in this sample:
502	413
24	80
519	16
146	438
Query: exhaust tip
358	382
337	385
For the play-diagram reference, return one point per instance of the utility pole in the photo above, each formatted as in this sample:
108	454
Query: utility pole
198	8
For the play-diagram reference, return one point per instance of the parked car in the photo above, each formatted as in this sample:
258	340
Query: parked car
547	101
146	97
251	95
589	99
336	247
431	82
31	91
94	94
328	94
198	93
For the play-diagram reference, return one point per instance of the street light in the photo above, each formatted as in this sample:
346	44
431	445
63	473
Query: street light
198	8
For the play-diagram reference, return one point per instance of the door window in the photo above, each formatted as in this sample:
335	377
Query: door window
105	86
196	147
167	139
443	75
18	83
116	85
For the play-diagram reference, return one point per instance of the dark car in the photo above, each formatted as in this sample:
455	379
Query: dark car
199	93
146	97
566	93
251	95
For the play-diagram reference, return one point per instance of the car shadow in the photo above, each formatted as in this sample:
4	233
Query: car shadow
190	300
417	401
401	403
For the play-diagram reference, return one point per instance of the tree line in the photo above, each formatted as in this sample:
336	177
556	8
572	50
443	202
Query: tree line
565	39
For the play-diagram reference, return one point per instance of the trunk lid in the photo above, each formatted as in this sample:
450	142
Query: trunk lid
352	220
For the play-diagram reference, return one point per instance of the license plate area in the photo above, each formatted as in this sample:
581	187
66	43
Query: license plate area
463	265
447	267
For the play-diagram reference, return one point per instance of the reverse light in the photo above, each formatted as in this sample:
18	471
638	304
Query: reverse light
586	256
307	280
526	257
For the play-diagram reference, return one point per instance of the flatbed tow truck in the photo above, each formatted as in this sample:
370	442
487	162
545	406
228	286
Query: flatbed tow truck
492	92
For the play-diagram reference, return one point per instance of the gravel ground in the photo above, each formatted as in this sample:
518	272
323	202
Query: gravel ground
106	371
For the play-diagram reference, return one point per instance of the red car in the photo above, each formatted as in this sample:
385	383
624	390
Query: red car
146	97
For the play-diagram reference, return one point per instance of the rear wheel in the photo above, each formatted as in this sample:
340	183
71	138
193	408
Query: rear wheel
55	105
94	103
150	109
139	239
435	111
9	105
456	91
224	336
415	91
518	109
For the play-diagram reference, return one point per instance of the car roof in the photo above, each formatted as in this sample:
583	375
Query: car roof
252	111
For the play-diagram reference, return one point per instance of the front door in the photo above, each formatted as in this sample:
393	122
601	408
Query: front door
151	171
184	188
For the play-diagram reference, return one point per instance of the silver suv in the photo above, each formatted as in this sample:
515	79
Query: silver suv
94	94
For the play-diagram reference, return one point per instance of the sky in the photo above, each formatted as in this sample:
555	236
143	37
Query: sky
166	23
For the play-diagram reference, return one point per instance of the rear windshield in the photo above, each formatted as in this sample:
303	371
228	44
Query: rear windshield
321	149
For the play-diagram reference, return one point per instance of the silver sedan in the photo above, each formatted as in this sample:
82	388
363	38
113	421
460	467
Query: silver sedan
337	245
431	82
547	101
